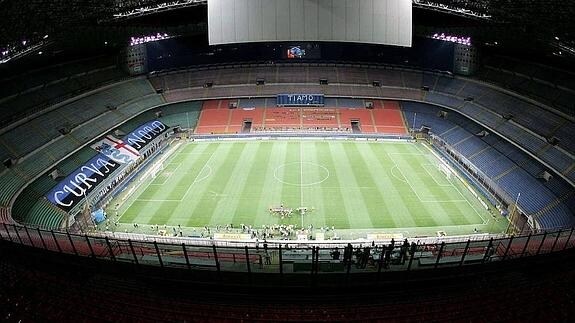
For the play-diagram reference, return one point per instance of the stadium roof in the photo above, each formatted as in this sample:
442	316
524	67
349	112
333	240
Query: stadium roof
31	20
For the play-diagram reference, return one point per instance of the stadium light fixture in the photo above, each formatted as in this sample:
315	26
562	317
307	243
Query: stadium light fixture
453	39
468	8
149	7
146	39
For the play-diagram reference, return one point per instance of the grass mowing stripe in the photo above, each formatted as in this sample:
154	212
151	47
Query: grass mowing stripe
301	163
456	210
289	173
197	171
354	202
420	187
272	189
230	196
471	208
388	196
374	198
156	212
370	186
201	201
313	175
132	209
473	216
408	211
333	204
252	191
204	198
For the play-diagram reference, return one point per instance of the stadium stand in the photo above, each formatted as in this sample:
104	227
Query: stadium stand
32	208
239	116
47	126
485	104
546	84
363	116
183	114
385	118
116	104
491	156
127	97
214	118
37	287
38	89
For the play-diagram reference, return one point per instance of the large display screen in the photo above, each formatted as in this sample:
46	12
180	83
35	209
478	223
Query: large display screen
301	51
386	22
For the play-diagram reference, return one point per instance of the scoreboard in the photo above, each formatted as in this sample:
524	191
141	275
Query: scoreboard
298	100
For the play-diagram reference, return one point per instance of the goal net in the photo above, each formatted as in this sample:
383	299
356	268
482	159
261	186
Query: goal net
156	169
445	170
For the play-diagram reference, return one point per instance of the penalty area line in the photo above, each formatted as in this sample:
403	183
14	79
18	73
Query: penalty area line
485	221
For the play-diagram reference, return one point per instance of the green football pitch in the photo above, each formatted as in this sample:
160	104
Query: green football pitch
354	186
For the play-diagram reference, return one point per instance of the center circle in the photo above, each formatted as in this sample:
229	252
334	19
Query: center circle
301	173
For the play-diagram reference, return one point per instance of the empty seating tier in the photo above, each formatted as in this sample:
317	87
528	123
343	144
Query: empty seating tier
217	117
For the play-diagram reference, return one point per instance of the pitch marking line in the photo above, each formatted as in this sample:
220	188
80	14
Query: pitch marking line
394	175
163	172
300	184
217	195
301	176
415	192
192	153
485	221
170	200
433	177
201	170
171	154
411	154
157	200
436	227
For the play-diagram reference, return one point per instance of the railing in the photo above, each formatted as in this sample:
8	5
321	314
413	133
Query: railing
281	258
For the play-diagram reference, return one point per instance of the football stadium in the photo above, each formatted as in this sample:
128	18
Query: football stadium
280	156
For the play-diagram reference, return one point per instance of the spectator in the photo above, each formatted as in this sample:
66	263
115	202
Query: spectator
268	258
335	254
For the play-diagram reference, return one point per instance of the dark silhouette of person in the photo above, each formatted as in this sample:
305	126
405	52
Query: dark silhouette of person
335	254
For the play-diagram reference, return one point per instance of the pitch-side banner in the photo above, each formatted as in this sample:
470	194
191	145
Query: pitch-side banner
144	134
116	149
71	191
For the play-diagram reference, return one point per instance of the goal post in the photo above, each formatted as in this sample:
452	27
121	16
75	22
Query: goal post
156	169
443	168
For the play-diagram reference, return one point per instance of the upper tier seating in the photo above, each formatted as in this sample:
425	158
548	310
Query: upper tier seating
549	85
32	91
24	139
